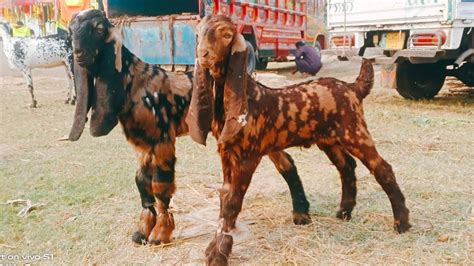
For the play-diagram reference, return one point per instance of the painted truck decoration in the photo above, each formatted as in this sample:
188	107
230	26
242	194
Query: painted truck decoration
164	31
419	42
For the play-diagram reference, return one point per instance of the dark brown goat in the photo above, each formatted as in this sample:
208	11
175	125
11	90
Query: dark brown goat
250	120
151	104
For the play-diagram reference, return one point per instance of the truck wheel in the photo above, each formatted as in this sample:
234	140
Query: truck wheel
262	63
420	81
466	74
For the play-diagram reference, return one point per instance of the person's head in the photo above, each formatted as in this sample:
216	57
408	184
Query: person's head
300	44
19	24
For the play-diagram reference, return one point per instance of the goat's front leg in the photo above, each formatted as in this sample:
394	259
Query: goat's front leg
237	177
143	180
286	167
29	80
163	188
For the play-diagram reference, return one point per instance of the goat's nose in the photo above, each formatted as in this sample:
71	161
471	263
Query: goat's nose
203	53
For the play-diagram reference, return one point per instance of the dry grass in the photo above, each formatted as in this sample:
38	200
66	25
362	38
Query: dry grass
92	206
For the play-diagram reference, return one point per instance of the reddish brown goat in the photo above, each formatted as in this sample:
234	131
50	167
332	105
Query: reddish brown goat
250	120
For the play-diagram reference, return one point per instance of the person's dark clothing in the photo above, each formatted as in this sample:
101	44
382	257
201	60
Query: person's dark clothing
308	60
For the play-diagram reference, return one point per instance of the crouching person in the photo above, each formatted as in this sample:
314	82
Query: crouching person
308	60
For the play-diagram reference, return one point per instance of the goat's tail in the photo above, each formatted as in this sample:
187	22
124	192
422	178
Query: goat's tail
365	80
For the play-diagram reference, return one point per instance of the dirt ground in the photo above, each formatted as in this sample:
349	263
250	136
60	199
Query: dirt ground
89	204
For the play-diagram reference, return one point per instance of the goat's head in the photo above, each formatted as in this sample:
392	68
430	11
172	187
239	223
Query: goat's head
90	31
97	54
222	60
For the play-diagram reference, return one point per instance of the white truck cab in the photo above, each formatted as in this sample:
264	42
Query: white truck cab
426	39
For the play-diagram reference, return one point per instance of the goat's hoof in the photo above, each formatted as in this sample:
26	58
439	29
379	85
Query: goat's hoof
217	253
66	101
139	238
34	104
344	215
402	227
154	242
217	260
163	229
301	218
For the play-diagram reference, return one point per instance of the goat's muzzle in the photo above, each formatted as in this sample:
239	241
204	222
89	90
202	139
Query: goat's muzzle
82	59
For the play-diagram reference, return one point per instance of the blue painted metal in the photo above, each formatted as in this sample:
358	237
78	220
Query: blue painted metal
185	43
151	40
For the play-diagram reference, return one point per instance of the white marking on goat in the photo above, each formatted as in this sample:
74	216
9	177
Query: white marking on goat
148	101
242	119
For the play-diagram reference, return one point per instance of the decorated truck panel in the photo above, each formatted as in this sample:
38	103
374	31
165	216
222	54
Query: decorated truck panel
316	32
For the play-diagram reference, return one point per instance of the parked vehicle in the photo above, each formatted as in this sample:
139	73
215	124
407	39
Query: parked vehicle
426	39
316	33
163	32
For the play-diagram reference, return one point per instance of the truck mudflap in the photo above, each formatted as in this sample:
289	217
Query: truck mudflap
415	56
464	56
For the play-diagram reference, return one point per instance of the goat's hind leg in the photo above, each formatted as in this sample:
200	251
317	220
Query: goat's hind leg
148	215
345	165
286	167
367	153
29	80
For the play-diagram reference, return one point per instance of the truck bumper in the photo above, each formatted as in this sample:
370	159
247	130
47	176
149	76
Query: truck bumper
416	56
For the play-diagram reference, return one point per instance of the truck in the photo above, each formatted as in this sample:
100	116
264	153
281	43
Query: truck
163	32
316	31
419	41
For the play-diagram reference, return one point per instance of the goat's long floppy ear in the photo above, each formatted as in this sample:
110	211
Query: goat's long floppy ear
84	83
235	90
115	35
201	109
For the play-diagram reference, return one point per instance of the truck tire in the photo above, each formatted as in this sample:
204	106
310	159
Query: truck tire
466	74
262	63
420	81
